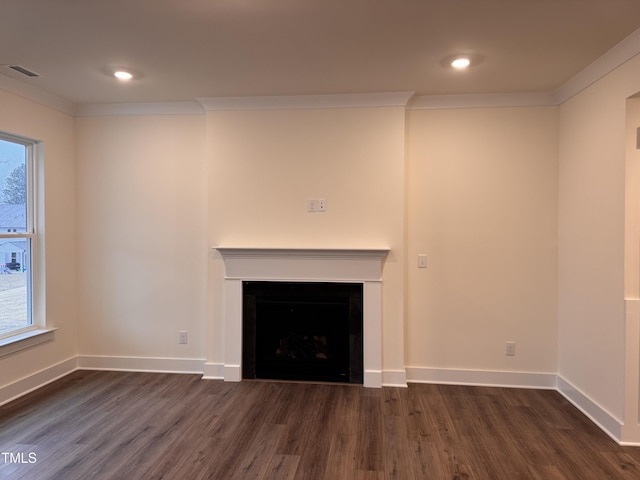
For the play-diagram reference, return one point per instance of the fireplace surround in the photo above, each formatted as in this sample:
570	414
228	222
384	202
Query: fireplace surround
359	266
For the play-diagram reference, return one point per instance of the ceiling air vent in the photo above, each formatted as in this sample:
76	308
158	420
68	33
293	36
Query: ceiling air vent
24	71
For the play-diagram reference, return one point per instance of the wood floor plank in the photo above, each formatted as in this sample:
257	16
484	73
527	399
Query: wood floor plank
341	459
370	475
315	434
369	447
282	467
142	426
259	452
397	464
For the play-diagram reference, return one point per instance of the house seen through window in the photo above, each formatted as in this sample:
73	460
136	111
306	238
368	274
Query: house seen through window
17	235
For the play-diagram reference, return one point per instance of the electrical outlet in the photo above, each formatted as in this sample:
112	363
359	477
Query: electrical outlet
182	337
322	205
510	350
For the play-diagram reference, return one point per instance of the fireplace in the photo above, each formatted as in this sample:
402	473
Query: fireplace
302	331
301	265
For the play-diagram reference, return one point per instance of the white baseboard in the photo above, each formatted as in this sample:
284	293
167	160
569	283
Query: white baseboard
486	378
372	378
213	371
394	378
232	373
597	414
37	380
630	436
142	364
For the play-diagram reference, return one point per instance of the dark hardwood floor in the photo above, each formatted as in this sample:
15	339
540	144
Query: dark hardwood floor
115	425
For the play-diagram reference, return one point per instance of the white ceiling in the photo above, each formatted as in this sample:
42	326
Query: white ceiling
208	48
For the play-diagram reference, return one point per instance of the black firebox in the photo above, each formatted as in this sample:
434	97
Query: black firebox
308	331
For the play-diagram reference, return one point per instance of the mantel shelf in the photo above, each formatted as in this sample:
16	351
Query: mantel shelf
319	253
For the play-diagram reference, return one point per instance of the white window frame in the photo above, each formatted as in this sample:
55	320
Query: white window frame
37	332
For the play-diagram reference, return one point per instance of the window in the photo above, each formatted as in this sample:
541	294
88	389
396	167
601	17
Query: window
17	235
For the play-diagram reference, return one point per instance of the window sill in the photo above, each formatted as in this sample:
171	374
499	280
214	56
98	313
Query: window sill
25	340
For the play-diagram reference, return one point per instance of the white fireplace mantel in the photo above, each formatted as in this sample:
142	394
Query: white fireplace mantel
304	264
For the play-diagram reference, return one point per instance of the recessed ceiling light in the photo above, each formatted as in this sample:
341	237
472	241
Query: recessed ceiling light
123	75
461	63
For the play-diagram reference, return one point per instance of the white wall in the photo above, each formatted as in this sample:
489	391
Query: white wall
483	209
632	200
591	308
265	164
631	429
57	176
482	190
142	251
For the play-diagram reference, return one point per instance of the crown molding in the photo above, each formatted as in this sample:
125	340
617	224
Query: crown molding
296	102
35	94
118	109
439	102
607	63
